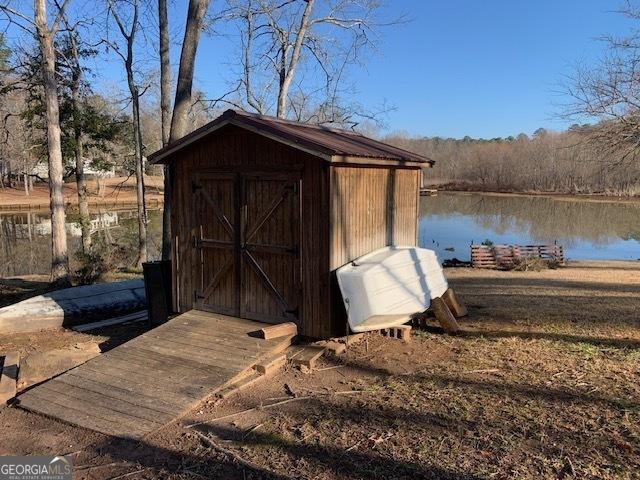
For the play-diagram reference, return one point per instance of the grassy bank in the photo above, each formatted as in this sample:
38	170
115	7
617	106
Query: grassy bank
593	197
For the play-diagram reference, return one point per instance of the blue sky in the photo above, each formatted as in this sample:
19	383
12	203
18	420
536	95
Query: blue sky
483	68
486	68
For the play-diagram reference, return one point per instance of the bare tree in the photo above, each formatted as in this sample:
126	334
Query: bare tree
183	98
182	103
165	107
20	142
128	33
609	93
288	62
295	56
165	71
45	33
81	183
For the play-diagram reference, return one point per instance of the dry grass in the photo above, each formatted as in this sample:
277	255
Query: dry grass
544	383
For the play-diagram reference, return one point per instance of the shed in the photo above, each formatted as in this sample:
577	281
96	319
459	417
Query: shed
263	211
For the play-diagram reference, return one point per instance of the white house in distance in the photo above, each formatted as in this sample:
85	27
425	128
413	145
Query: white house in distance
42	170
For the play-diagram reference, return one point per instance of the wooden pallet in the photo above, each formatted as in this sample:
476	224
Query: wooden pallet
501	256
145	383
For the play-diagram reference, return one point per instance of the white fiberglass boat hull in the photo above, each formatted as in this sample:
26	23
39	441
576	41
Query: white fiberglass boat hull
386	287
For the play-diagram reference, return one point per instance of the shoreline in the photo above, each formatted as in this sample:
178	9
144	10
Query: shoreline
125	204
555	196
114	193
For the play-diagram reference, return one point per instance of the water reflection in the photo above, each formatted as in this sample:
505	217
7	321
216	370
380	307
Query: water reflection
25	238
587	229
29	225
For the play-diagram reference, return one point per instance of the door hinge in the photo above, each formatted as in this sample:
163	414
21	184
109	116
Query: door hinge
197	242
294	311
295	250
195	187
293	187
197	296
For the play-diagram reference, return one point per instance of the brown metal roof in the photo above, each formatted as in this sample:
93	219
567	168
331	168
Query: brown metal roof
318	140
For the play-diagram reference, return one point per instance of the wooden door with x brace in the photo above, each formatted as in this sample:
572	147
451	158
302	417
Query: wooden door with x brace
247	237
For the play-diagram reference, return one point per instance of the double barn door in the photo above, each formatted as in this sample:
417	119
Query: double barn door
246	242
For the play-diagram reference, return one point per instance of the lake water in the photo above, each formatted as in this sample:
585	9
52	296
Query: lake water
588	229
25	239
449	223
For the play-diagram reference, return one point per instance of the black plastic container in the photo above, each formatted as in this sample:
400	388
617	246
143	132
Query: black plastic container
157	285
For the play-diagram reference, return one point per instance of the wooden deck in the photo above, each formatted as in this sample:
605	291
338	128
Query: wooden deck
145	383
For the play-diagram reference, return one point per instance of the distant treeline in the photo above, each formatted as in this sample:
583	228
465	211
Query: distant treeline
546	162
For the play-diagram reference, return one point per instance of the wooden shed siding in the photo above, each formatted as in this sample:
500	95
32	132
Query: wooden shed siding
315	250
233	149
371	208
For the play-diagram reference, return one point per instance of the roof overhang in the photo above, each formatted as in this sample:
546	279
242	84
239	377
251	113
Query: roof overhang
163	155
347	160
246	122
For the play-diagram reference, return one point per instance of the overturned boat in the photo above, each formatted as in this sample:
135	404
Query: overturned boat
73	306
386	287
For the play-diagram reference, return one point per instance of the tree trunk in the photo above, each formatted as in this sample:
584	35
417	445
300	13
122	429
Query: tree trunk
281	109
165	72
287	73
137	139
165	100
182	103
59	256
83	206
100	185
26	184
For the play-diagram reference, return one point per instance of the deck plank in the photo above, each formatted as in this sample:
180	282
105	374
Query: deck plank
111	391
107	405
42	402
143	384
155	360
134	387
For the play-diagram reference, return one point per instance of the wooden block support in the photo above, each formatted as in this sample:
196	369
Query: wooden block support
236	387
308	356
271	365
9	377
456	306
335	348
444	316
279	330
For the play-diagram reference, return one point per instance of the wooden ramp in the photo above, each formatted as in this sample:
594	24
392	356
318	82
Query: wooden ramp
143	384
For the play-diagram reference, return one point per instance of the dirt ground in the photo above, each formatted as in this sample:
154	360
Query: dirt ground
543	383
117	191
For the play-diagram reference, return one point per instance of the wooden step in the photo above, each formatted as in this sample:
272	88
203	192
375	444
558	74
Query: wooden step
9	376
